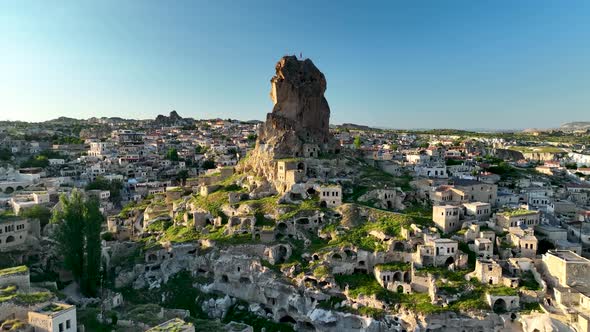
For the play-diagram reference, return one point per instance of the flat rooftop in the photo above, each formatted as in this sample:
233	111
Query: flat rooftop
568	256
55	309
14	270
517	212
173	325
477	204
549	229
440	240
446	206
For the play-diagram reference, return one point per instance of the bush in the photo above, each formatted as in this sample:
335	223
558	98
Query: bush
107	236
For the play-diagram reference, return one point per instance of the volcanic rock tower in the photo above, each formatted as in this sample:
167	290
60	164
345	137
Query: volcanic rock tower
298	126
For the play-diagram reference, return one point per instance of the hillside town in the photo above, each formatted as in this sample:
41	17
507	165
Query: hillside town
292	223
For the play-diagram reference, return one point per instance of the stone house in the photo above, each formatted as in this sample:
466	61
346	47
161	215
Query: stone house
15	231
396	277
524	239
330	195
476	191
507	199
311	150
488	271
512	218
484	248
446	217
55	317
289	172
431	171
478	210
569	274
439	252
566	268
502	303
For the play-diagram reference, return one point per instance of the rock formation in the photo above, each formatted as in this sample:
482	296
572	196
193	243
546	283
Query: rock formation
173	120
299	120
301	114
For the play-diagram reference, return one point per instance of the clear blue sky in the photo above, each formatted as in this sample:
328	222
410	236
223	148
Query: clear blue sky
401	64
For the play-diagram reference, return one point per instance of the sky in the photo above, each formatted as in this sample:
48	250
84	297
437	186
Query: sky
397	64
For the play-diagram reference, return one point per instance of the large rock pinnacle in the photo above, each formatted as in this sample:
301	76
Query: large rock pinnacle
301	114
299	121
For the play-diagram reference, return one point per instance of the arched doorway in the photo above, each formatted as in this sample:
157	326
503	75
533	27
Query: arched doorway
281	255
287	319
449	261
400	289
282	227
500	306
407	276
10	239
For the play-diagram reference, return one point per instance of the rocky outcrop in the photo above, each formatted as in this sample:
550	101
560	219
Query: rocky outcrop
505	154
297	127
299	120
301	113
172	120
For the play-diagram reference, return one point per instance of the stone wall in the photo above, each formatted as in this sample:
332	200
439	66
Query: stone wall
21	280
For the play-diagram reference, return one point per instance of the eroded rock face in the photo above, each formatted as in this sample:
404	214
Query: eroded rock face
301	114
299	122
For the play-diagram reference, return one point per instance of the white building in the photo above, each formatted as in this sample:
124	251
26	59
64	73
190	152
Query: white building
55	317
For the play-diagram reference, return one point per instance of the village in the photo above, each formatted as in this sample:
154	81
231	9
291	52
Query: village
293	224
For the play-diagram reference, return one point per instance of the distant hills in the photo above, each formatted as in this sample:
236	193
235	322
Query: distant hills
353	126
578	125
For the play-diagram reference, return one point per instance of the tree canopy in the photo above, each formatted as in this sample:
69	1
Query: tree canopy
77	234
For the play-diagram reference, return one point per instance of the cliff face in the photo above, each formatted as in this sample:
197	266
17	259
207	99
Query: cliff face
301	114
300	117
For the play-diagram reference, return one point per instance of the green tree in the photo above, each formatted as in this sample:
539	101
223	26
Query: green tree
92	226
208	164
357	142
113	186
200	149
172	154
69	233
39	212
5	154
77	235
37	161
182	176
